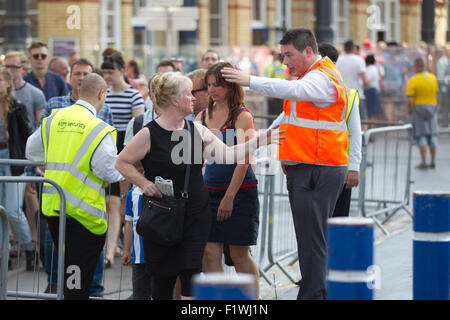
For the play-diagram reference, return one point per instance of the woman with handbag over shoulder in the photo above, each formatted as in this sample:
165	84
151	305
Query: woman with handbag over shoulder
162	154
233	189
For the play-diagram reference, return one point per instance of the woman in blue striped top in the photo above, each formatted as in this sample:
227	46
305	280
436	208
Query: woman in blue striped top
125	103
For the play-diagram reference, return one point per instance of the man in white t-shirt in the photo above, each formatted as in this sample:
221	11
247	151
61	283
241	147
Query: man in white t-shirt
353	71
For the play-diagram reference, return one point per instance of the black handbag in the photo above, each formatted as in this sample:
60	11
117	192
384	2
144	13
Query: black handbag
162	219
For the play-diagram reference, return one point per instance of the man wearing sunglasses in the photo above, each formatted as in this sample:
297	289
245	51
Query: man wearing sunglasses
51	84
199	91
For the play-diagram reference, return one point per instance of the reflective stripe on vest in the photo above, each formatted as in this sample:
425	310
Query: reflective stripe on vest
317	135
70	168
353	97
76	202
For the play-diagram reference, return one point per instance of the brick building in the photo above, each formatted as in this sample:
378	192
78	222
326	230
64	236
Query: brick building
89	26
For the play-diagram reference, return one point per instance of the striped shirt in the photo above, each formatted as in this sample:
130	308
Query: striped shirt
122	104
132	213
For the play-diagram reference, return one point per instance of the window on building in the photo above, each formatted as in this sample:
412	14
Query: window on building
386	17
138	4
218	22
259	14
340	18
448	22
110	24
2	19
32	14
283	18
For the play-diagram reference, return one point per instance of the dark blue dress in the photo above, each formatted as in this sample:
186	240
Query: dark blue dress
241	229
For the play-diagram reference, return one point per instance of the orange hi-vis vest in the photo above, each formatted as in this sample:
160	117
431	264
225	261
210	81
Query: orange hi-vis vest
316	135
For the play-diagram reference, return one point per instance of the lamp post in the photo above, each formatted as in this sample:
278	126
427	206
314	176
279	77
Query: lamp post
428	15
322	9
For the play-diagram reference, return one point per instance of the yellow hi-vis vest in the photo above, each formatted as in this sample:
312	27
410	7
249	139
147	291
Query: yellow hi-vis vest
70	136
353	97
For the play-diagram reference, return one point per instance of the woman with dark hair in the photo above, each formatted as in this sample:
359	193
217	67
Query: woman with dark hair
125	103
134	75
232	188
14	131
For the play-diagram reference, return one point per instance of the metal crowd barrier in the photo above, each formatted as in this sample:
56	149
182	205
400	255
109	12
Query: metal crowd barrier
61	241
276	239
385	177
384	188
385	173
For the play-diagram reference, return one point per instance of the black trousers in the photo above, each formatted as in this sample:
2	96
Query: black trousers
83	249
162	287
342	208
142	282
313	191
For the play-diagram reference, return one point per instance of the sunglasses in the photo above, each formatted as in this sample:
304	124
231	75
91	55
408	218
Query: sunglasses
36	56
13	67
193	92
113	59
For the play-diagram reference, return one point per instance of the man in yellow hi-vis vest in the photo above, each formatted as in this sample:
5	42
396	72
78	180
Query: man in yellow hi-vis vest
80	152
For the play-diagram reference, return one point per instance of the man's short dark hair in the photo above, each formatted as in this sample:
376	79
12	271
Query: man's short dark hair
328	50
300	39
81	62
370	59
36	45
166	63
349	46
419	63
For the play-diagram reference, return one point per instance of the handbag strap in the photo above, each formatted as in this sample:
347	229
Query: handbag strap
184	194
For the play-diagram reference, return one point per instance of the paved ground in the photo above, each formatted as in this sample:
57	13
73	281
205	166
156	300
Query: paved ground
393	253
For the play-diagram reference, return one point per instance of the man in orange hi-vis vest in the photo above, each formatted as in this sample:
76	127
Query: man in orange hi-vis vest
314	153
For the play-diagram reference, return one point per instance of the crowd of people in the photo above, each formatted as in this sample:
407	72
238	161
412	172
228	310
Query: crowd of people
106	135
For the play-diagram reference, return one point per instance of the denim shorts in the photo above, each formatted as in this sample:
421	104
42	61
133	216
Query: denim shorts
427	140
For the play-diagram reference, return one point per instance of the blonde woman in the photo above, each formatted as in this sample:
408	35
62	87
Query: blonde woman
154	146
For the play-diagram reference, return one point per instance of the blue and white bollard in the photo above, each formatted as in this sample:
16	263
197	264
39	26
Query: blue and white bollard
350	259
431	246
222	286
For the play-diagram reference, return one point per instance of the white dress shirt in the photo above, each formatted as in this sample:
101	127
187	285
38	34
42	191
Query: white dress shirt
102	161
317	88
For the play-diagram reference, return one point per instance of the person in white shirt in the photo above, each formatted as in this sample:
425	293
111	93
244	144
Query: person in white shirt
354	133
313	188
372	91
353	71
83	246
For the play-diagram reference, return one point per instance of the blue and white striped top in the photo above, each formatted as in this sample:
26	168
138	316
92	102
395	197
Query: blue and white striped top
132	212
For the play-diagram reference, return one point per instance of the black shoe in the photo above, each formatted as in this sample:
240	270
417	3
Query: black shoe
51	288
108	263
30	257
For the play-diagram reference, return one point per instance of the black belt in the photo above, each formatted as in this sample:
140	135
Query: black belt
3	145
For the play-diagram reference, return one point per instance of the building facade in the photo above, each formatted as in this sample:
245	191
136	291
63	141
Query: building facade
89	26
